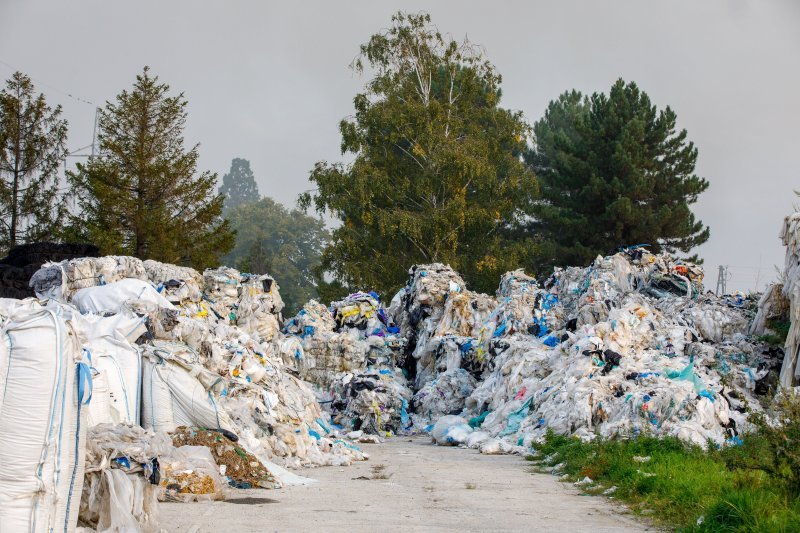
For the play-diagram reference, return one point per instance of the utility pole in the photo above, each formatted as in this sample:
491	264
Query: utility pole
722	278
94	134
75	153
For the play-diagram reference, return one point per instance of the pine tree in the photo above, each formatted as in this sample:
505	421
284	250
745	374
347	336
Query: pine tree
141	196
239	185
437	174
613	172
32	146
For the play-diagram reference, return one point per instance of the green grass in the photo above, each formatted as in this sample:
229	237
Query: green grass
780	329
678	484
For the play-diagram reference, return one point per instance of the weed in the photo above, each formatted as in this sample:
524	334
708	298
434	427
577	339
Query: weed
746	488
780	328
379	472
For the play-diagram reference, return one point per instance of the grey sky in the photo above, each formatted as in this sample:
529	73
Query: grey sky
268	81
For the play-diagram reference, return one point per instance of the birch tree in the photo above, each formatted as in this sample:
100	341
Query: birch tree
437	174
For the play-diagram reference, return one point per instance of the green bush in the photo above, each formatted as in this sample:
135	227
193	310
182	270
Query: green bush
774	449
780	327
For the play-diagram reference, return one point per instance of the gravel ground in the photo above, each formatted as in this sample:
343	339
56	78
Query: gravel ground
410	485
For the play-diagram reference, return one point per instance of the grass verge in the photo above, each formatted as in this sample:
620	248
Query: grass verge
677	485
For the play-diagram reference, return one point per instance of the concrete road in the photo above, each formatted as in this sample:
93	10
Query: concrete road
410	485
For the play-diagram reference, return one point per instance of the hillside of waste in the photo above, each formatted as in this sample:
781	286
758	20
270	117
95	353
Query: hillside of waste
175	384
629	345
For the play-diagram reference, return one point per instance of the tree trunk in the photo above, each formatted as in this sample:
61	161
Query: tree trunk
141	237
12	237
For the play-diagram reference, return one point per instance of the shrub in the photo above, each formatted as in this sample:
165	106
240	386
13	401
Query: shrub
774	445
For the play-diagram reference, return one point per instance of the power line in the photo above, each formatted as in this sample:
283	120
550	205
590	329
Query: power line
40	82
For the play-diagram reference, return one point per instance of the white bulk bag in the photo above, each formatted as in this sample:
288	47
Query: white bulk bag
116	368
178	393
113	296
44	381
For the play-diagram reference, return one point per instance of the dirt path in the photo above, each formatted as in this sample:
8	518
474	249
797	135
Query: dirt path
421	487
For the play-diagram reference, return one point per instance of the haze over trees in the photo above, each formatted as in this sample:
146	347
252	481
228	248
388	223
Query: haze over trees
142	195
239	185
614	172
270	239
437	174
33	140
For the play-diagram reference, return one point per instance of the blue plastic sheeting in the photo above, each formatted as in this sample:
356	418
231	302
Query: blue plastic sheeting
405	420
551	341
688	374
515	419
322	424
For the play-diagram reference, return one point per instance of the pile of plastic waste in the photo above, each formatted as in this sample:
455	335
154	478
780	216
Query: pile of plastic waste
790	235
445	394
374	401
629	345
349	353
163	347
444	325
190	383
122	477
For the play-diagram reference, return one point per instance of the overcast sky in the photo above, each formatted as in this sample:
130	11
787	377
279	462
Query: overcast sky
269	81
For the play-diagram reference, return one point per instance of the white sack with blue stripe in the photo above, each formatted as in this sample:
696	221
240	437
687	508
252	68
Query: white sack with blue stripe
44	384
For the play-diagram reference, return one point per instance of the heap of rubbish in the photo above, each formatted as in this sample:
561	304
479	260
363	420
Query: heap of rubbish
349	353
781	296
178	377
171	384
629	345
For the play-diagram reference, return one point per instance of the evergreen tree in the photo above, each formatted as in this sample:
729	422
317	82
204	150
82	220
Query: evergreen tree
285	244
613	172
437	173
32	146
141	196
239	185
